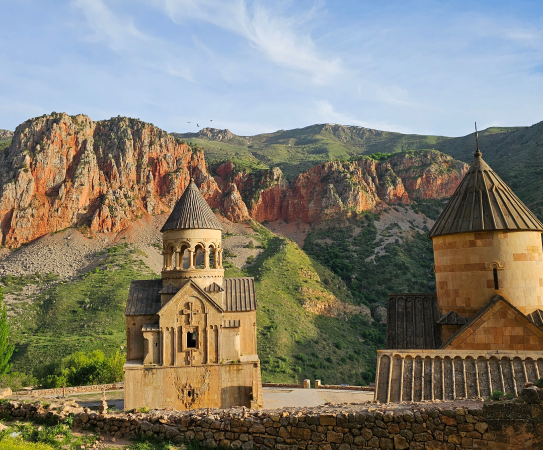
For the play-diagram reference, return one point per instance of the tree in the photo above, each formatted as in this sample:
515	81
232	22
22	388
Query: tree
6	349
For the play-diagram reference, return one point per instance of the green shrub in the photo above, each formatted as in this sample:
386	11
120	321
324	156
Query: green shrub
80	369
17	380
496	395
539	383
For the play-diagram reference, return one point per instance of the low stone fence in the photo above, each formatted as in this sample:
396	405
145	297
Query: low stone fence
320	386
72	390
496	426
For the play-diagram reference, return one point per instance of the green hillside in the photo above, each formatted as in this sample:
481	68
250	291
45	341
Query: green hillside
295	151
516	154
87	313
83	314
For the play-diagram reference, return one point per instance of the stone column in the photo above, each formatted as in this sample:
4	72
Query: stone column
176	257
206	258
191	258
161	340
216	259
220	258
174	346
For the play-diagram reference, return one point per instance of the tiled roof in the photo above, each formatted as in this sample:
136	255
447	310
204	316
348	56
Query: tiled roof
483	202
412	321
191	211
213	288
169	289
536	317
240	294
452	318
143	297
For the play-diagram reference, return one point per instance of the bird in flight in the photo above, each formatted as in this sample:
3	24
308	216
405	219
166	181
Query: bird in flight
188	122
198	125
211	120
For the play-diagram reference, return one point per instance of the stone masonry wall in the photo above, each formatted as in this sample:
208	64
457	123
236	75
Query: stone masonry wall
496	426
73	390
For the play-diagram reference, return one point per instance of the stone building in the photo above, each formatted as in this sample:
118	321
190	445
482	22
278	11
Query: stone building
482	331
191	335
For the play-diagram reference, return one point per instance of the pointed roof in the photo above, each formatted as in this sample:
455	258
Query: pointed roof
483	202
487	329
191	211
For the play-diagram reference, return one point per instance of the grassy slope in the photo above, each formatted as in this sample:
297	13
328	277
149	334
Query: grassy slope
406	266
83	314
516	154
293	343
88	313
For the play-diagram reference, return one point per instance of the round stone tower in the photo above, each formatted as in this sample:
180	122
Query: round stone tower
192	242
487	242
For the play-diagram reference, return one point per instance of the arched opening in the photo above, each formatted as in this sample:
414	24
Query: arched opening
185	257
191	339
496	283
212	258
199	256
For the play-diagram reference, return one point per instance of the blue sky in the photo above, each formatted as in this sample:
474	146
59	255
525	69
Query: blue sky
429	67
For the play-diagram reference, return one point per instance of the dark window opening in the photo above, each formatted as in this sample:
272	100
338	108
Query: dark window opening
190	393
496	285
191	339
156	344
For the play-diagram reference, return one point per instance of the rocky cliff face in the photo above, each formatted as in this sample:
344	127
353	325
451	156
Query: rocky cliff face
63	171
6	134
337	189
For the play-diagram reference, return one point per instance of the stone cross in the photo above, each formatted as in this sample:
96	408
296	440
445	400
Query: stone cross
191	312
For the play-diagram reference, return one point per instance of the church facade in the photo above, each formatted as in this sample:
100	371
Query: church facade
482	331
191	335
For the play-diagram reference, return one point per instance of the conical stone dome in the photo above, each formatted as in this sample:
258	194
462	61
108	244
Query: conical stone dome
191	211
483	202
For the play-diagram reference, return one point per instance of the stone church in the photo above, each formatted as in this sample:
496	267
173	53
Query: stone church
191	335
482	331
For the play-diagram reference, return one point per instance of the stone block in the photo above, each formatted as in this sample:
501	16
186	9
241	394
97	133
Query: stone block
328	420
334	437
447	420
300	433
400	443
5	392
257	428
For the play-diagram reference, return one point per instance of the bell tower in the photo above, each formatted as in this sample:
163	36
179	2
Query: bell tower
191	240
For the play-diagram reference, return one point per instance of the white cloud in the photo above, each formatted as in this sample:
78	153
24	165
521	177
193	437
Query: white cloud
279	38
326	113
120	34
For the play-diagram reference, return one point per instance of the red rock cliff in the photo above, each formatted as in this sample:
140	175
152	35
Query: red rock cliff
65	170
335	188
62	171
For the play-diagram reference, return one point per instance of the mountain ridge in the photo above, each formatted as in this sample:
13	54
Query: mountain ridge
61	171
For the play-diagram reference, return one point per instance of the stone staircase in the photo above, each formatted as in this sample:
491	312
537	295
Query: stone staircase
417	375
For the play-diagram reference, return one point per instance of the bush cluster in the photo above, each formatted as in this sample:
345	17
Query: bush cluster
80	369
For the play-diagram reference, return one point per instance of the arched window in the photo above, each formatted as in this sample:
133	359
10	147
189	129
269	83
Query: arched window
199	256
191	339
